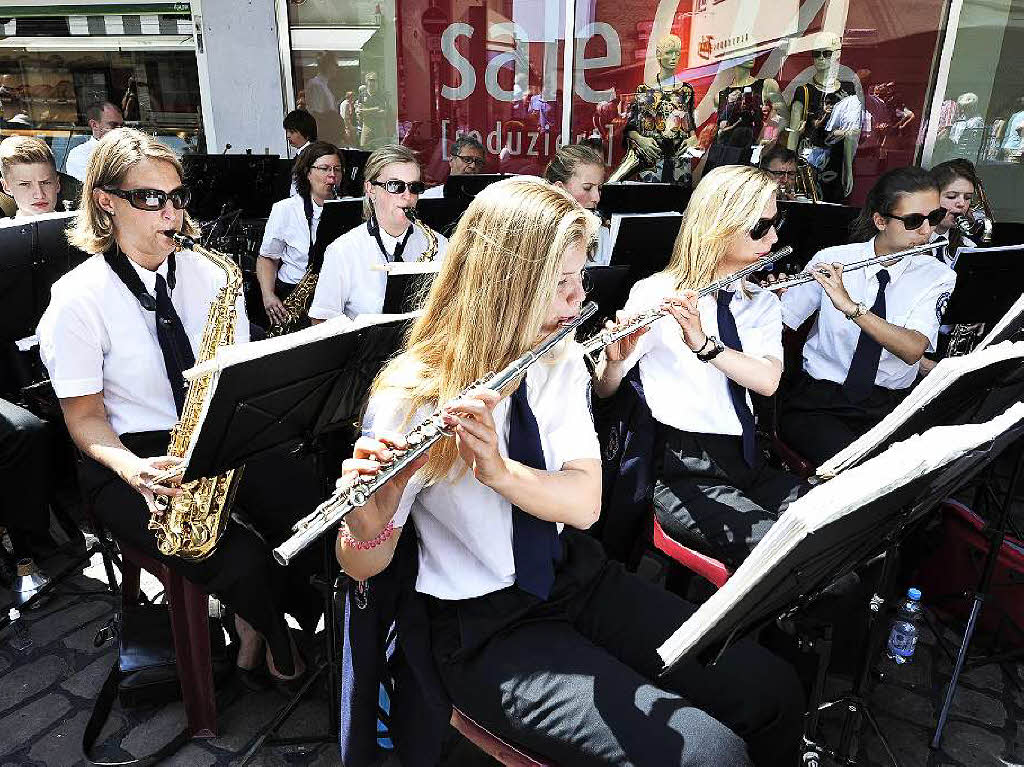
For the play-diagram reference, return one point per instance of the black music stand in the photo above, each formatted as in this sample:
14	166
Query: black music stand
810	227
305	386
644	242
830	532
988	283
442	214
609	288
404	291
247	182
465	187
337	217
1009	328
630	197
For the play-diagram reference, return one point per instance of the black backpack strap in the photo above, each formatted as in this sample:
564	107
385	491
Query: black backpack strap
101	711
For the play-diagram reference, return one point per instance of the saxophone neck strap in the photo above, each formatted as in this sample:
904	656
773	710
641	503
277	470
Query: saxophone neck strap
118	263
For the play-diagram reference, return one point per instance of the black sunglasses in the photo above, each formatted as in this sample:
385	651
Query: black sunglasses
914	220
396	186
822	54
760	229
470	160
153	199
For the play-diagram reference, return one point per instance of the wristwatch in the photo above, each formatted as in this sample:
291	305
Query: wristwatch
860	311
717	347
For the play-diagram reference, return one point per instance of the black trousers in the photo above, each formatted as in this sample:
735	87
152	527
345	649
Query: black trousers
576	678
708	498
818	420
24	475
283	289
241	570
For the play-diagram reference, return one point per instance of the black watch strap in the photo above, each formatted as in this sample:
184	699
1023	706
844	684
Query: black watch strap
716	349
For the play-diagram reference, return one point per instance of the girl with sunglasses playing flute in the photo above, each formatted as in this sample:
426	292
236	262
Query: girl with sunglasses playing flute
348	285
713	490
874	324
526	620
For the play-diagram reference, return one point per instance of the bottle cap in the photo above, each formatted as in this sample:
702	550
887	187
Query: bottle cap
914	594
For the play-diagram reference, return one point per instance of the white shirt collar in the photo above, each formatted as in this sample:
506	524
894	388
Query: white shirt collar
149	278
895	270
389	241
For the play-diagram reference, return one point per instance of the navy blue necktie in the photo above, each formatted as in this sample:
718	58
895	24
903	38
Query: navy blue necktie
174	343
738	394
535	544
864	365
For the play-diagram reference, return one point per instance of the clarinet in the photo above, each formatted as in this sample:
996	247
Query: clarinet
350	497
610	336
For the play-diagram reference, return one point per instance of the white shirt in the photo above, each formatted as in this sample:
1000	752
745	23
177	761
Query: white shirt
949	259
919	287
347	285
287	238
78	158
465	528
682	391
433	193
96	337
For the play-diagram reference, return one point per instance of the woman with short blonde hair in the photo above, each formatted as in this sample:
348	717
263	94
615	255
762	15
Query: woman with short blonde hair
521	603
348	284
116	338
714	491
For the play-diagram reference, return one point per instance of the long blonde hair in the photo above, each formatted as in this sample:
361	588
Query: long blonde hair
728	200
488	303
115	155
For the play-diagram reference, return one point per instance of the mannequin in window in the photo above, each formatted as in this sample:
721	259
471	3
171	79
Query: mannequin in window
660	128
830	151
741	115
1013	134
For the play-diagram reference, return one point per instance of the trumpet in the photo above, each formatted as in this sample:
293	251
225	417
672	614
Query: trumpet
800	279
420	439
611	335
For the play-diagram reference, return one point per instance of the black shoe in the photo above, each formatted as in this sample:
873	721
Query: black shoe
253	679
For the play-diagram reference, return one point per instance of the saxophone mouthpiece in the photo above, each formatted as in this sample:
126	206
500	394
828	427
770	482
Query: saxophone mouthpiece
181	240
411	214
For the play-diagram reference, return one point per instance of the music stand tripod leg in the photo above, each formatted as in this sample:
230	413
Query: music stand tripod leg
995	543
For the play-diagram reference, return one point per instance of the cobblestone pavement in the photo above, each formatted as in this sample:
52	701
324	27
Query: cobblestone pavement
46	694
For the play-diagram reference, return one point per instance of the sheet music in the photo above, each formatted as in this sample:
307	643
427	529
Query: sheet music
1013	315
945	373
831	501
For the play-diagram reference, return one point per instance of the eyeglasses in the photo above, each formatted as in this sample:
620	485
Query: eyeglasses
397	186
914	220
335	169
760	229
471	160
153	199
822	54
585	280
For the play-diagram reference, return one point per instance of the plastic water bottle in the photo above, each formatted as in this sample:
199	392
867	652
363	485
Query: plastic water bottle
903	634
20	640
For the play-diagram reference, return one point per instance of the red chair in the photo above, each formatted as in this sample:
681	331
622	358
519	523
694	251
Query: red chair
190	626
491	744
707	567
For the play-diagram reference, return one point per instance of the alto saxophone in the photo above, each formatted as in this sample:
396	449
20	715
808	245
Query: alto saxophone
431	252
296	304
189	525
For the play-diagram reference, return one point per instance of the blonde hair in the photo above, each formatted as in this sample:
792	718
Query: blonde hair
488	303
380	159
24	150
728	201
115	155
568	158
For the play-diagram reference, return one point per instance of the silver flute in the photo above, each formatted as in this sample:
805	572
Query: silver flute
800	279
350	497
611	335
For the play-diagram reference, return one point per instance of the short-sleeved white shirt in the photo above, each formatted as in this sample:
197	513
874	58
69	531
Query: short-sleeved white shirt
347	283
96	337
465	528
603	254
918	289
433	192
78	158
682	391
287	237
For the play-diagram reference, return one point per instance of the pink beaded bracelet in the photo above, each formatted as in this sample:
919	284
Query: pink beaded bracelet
344	532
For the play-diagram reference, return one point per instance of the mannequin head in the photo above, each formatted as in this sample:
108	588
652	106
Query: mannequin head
745	67
826	48
967	104
669	49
